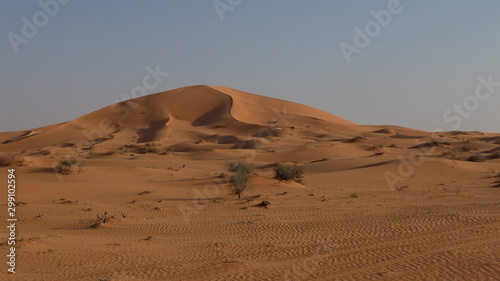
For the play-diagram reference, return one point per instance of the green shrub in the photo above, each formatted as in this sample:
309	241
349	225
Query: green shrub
69	166
394	145
11	160
241	173
288	172
150	147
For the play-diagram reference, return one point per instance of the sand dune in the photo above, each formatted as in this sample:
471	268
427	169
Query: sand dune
376	202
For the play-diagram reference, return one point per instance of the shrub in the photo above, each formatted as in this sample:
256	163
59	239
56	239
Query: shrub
150	147
394	145
358	139
241	173
11	160
478	157
288	172
69	166
458	156
354	195
495	156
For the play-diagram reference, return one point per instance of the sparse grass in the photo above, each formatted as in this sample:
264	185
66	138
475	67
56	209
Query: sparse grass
241	173
458	156
287	172
150	147
375	147
69	166
68	144
354	195
358	139
495	156
11	160
478	157
465	148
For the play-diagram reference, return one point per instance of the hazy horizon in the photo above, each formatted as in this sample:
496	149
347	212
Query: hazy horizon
419	65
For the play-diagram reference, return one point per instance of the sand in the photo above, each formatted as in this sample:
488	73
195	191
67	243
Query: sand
375	203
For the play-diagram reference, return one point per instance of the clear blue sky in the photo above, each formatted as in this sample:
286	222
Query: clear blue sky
89	53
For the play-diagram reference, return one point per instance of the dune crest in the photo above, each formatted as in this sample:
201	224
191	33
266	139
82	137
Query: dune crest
156	117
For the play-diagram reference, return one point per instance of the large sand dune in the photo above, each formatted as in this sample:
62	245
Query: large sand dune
376	202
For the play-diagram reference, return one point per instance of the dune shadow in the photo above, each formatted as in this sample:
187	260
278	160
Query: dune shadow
42	170
154	131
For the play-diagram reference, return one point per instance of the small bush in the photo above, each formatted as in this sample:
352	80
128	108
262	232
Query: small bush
354	195
69	166
394	145
11	160
241	173
288	172
478	157
458	156
358	139
495	156
150	148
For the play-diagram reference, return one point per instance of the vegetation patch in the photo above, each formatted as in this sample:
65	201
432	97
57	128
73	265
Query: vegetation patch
287	172
11	160
69	166
240	175
150	147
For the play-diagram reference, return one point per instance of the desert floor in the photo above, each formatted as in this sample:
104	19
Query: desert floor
170	222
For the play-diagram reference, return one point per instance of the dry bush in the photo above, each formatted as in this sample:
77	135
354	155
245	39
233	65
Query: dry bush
69	166
288	172
358	139
478	157
458	156
150	148
241	173
11	160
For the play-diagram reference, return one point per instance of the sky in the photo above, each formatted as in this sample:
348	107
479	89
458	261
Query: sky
429	65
